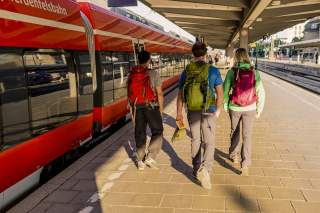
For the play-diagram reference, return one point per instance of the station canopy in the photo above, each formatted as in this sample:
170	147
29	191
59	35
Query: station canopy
220	21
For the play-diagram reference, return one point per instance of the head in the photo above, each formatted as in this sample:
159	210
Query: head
144	58
199	50
241	55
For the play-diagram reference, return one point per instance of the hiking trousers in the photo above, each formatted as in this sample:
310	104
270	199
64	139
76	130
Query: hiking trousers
202	127
148	116
247	119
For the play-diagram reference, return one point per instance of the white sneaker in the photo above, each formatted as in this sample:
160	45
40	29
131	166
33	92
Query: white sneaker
204	177
151	163
140	165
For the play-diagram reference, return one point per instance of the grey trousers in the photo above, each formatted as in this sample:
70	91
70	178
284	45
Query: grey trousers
246	118
202	127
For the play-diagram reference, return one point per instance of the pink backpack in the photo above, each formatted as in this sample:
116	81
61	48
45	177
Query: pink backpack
244	91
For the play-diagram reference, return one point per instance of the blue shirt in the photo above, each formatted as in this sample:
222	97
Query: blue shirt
214	79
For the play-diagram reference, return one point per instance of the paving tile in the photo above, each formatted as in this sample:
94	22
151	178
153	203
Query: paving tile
42	207
275	206
276	172
133	209
254	192
61	196
242	204
208	202
239	180
312	195
112	198
177	201
189	211
296	183
306	207
267	181
286	194
224	191
59	208
146	200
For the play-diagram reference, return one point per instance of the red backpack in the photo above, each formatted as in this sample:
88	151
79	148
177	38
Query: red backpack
140	91
244	91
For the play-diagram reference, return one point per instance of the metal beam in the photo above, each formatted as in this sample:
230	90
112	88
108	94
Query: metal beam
206	27
251	15
234	3
226	15
209	32
215	22
276	12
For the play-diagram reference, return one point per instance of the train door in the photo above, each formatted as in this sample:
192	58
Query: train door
14	115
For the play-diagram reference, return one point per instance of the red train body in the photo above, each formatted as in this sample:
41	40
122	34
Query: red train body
35	30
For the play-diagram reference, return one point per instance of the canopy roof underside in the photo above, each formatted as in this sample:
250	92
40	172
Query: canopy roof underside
219	21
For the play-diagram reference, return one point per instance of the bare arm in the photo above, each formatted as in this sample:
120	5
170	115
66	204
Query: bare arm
160	98
219	91
179	106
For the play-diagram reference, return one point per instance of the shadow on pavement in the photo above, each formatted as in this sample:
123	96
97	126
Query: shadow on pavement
223	158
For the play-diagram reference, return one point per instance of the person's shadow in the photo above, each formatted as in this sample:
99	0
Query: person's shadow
177	163
223	158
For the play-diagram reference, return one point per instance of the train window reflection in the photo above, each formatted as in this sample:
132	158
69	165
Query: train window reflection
106	65
14	116
52	89
121	69
85	83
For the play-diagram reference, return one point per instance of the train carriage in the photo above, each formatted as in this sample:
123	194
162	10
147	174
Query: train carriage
63	69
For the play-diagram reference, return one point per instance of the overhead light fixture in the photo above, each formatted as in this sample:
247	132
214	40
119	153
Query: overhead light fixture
275	3
259	19
250	28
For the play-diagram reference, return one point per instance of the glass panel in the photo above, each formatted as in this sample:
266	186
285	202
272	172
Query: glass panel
106	64
14	115
120	73
52	89
85	84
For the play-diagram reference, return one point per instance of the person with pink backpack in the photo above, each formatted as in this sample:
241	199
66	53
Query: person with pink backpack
244	98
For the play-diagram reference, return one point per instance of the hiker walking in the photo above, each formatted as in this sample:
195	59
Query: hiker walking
244	97
200	89
146	101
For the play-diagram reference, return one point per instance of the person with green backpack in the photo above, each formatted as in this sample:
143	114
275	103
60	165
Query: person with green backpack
200	90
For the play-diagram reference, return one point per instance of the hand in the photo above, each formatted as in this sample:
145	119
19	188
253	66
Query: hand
258	114
179	117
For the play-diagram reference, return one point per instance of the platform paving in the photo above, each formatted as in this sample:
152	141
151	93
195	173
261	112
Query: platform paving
284	177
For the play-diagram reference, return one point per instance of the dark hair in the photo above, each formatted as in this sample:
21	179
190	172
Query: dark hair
199	49
143	57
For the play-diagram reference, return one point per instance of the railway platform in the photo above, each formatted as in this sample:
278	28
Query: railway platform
284	177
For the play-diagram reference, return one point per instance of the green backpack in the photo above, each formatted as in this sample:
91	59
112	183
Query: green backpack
196	93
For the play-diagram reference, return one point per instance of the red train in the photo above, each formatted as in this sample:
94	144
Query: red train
63	69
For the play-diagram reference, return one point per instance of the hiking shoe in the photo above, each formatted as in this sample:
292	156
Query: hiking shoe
204	177
140	165
235	159
245	171
151	163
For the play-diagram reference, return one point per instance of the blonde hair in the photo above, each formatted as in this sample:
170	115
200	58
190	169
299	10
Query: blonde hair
241	55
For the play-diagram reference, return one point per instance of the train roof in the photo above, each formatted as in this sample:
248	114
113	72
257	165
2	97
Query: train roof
42	23
58	24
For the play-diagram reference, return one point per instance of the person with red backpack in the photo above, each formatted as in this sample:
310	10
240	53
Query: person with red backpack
145	98
244	97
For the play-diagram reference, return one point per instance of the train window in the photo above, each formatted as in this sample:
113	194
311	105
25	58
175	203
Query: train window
106	63
14	115
132	60
52	89
85	103
120	72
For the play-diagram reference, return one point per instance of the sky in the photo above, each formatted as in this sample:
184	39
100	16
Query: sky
150	14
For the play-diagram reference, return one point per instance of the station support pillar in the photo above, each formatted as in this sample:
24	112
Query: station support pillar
229	54
244	35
